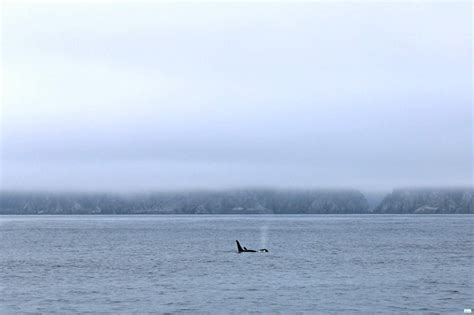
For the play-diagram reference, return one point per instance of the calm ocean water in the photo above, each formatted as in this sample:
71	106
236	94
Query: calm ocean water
324	263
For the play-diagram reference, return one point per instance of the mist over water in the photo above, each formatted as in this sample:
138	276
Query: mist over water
263	236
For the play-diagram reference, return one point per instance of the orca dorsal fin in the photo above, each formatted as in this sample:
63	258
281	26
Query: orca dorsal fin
239	248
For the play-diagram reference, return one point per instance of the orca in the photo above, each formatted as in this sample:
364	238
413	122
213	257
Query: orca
244	249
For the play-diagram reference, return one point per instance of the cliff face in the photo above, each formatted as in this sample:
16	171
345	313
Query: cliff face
223	202
241	202
428	201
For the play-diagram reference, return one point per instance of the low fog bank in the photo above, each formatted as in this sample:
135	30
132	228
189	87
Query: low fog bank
428	200
242	201
249	201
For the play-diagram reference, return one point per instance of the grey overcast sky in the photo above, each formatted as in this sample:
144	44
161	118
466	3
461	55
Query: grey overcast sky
153	96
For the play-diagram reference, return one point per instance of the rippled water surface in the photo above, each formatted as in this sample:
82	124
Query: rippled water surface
189	263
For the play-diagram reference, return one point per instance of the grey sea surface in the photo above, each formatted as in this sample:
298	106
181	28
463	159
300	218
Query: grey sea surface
325	263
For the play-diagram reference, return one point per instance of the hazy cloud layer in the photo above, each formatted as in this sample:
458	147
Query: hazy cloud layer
166	96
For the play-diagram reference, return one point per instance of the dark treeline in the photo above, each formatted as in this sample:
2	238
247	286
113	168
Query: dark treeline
217	202
241	202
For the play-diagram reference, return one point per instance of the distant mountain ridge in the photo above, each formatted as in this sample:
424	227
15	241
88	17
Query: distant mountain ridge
256	201
209	202
442	200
